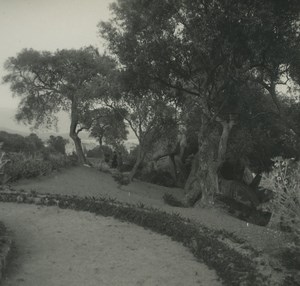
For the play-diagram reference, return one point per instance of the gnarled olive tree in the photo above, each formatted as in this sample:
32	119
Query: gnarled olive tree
64	80
209	50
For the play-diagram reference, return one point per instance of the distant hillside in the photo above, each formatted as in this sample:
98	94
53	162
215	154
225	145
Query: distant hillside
45	135
11	131
10	125
7	121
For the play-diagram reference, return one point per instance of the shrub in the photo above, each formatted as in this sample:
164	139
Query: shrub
290	256
17	143
162	178
169	199
58	143
103	152
103	167
25	166
284	180
95	153
59	161
3	162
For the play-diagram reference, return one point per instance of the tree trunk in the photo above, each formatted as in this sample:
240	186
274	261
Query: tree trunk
78	148
138	162
173	167
73	134
202	183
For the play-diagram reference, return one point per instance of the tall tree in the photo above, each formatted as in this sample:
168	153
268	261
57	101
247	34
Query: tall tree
50	82
205	49
150	117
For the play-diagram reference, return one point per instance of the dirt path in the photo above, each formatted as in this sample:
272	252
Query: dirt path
85	181
63	247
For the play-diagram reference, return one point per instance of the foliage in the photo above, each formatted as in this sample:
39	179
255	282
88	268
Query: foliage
130	159
291	256
104	152
3	229
214	53
152	119
169	199
150	116
25	166
18	143
284	180
109	127
210	50
95	152
158	177
51	81
3	160
121	178
58	144
231	266
21	165
63	80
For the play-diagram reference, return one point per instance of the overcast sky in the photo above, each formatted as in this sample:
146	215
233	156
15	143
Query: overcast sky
47	25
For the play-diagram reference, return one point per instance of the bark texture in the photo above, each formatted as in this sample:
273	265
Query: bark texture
74	135
138	162
203	181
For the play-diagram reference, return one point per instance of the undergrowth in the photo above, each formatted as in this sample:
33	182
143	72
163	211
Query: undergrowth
169	199
20	165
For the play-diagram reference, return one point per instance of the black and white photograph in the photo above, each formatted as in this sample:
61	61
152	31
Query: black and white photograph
150	143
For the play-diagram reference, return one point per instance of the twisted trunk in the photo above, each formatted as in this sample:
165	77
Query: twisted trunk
203	182
73	134
138	162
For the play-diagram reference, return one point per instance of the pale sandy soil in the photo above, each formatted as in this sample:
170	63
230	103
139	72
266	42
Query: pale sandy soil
85	181
56	247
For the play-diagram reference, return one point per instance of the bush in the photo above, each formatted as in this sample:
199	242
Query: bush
3	162
24	166
284	180
162	178
169	199
17	143
103	152
291	256
58	143
95	153
59	161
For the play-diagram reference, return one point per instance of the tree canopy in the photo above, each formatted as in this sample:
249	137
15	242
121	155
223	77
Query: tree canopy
109	126
63	80
221	55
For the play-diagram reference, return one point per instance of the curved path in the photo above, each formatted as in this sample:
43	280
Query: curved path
63	247
84	181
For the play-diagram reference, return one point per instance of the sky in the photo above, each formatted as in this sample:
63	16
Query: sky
46	25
